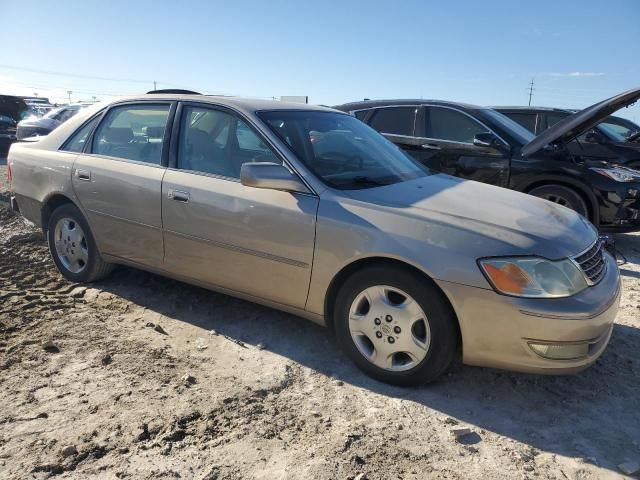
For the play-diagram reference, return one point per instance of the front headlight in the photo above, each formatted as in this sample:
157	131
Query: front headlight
533	277
618	174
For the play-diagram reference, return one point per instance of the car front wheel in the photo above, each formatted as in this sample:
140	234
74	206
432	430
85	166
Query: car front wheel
564	196
73	247
395	325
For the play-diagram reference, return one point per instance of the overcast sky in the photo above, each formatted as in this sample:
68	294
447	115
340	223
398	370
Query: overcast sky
577	52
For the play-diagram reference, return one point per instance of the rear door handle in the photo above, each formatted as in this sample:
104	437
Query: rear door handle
84	175
179	196
430	146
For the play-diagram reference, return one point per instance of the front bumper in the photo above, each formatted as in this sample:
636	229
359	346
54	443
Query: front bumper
497	330
619	205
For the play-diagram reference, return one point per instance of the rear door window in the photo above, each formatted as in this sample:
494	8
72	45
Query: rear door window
395	120
132	132
527	120
78	140
555	117
451	125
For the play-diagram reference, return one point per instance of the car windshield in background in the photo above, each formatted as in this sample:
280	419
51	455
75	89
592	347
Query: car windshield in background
614	132
341	150
502	122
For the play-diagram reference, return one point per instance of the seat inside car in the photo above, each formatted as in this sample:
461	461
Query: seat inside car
201	153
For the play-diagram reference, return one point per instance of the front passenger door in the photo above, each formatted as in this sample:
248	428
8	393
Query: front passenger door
258	242
448	147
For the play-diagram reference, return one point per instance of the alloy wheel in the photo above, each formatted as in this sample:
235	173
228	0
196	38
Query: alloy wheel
71	245
389	328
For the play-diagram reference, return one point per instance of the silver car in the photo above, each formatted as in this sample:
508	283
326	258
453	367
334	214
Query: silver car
310	211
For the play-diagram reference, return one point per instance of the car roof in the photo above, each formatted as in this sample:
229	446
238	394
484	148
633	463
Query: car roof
248	105
366	104
533	109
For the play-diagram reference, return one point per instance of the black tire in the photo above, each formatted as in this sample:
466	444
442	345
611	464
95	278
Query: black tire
564	196
443	347
96	268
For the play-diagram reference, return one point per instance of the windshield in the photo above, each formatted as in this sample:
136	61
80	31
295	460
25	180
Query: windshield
613	132
54	113
341	150
504	123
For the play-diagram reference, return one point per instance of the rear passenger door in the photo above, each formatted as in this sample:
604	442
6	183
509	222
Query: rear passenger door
397	124
118	180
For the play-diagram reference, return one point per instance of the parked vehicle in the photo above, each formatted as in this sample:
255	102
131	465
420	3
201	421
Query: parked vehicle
12	110
34	126
478	143
308	210
612	140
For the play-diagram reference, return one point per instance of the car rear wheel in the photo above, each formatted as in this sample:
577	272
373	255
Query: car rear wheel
564	196
73	247
395	325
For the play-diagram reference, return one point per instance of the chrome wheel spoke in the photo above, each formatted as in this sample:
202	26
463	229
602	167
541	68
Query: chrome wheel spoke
411	310
382	359
413	347
357	324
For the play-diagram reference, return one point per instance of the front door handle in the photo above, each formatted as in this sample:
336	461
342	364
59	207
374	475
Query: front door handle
430	146
84	175
179	196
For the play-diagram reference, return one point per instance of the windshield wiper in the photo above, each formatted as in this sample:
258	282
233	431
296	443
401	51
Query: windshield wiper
359	181
363	180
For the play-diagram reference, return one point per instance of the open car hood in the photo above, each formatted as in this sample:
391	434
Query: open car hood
574	125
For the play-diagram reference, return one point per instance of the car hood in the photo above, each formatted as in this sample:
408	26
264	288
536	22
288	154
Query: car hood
492	220
574	125
39	122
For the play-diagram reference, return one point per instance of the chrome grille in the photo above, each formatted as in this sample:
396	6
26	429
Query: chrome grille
592	263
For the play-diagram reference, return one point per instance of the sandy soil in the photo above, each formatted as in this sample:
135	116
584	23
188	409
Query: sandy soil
141	377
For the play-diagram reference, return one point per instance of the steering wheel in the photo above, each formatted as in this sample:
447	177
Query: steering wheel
352	160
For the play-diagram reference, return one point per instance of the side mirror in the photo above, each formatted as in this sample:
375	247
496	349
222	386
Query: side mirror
486	139
271	176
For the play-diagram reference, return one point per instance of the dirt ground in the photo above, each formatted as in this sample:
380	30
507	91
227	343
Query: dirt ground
141	377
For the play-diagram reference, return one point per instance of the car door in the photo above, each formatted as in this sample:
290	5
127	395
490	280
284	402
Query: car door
217	231
118	181
447	146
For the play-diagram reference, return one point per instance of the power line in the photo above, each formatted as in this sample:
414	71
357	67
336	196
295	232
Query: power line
530	91
75	75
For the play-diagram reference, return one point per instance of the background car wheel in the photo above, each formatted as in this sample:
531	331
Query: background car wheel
73	248
395	325
564	196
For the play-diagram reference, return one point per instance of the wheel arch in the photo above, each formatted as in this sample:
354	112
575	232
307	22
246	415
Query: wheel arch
579	187
52	202
349	269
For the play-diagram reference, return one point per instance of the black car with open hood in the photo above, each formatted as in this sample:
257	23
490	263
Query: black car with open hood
478	143
614	139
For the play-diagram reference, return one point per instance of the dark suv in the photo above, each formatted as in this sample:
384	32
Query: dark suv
478	143
12	110
614	139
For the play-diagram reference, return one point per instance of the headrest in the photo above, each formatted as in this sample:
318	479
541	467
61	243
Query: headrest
155	132
118	135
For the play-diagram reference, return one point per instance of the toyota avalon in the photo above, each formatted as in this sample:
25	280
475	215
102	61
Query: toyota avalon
310	211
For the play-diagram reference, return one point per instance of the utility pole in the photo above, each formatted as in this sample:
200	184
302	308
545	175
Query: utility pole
531	89
154	85
69	92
